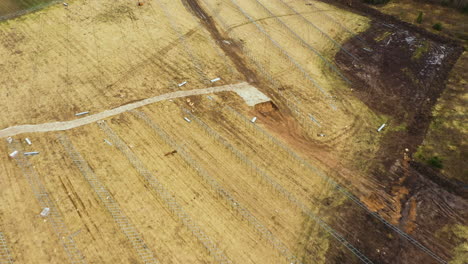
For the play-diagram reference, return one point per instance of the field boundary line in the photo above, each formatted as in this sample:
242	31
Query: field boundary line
66	125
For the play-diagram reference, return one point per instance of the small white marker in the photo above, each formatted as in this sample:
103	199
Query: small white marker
182	84
45	212
253	120
188	120
32	153
215	80
381	127
28	141
315	120
65	4
13	154
82	113
108	142
9	140
388	42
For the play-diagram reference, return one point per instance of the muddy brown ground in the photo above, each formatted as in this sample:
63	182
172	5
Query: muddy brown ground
401	77
401	73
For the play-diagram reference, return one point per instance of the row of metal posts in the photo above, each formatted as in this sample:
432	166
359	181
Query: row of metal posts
5	255
280	189
42	196
130	231
339	187
303	42
166	196
223	193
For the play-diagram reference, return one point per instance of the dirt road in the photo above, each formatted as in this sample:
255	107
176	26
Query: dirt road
57	126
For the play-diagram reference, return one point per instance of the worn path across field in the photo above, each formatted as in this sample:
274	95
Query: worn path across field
242	89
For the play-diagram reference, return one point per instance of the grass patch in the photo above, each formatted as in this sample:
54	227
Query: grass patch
401	127
383	36
424	155
421	50
446	136
459	234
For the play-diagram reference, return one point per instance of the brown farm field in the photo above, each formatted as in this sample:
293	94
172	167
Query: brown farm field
222	131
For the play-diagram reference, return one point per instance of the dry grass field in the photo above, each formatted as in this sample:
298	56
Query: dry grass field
201	178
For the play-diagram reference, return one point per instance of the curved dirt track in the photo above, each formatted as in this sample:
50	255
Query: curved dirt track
65	125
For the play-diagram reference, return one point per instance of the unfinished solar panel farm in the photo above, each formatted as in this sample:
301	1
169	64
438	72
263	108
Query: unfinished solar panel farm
225	131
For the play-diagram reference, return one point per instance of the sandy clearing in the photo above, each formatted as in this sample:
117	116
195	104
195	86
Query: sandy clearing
249	93
252	96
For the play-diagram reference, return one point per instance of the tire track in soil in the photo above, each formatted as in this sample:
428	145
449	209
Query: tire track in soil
231	50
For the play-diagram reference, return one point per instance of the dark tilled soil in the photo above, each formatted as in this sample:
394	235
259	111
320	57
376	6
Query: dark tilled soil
401	73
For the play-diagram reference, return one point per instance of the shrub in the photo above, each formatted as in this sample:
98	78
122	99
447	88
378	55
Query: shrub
420	18
437	26
435	162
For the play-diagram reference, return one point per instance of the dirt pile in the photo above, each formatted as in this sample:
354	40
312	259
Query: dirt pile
266	108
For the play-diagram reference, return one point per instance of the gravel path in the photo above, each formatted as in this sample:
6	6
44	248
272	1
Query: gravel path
65	125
